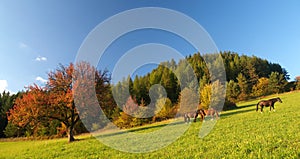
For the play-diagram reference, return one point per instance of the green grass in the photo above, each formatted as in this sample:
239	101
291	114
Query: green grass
240	133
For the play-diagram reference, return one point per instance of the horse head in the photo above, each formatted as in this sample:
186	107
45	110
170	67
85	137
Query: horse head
279	100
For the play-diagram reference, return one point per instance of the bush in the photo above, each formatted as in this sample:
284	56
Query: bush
228	105
11	130
164	109
212	95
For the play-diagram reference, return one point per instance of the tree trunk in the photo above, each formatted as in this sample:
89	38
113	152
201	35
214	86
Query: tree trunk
70	134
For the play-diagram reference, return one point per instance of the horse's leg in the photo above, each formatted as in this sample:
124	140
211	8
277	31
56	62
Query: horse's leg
185	118
261	108
202	116
202	113
208	114
273	108
195	117
217	115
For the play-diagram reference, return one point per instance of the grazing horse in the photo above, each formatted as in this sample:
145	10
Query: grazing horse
267	103
194	115
212	112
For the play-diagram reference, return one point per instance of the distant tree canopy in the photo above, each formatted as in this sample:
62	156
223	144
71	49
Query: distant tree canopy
246	77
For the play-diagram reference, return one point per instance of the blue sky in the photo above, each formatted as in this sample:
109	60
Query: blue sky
35	36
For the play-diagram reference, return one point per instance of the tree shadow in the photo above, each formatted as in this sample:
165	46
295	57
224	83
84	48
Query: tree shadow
136	129
245	106
238	111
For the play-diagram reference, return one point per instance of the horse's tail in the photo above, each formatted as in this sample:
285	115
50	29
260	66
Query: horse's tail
257	106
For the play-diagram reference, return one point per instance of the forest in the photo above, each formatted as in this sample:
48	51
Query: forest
50	110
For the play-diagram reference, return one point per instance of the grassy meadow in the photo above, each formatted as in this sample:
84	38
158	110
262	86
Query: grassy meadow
240	133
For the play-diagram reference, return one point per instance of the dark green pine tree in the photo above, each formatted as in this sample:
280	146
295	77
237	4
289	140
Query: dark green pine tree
137	89
252	75
6	103
232	91
169	82
244	87
277	82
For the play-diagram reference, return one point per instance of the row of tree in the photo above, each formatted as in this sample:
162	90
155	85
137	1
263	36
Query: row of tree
246	77
65	105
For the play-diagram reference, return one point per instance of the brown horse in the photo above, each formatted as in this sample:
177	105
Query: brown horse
267	103
213	113
194	115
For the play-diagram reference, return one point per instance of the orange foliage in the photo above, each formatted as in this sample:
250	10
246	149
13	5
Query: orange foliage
28	108
56	101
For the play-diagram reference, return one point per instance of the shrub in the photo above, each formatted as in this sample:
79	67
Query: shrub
11	130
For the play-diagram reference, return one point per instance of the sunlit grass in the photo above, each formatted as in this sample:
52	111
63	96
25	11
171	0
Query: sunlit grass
240	133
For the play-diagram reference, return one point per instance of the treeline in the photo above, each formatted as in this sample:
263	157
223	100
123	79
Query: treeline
246	77
51	110
249	77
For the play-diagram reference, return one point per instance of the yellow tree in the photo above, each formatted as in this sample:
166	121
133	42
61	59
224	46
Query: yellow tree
261	88
164	109
212	95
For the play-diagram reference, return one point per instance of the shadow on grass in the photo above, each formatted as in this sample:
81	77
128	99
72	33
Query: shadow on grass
245	106
238	111
137	129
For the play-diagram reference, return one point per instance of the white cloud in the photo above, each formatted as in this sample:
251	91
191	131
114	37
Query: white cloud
23	45
40	79
40	58
3	85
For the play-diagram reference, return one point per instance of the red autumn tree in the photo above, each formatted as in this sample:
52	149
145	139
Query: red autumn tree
85	81
54	102
29	108
61	102
81	85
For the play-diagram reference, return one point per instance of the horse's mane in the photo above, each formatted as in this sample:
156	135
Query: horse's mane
277	98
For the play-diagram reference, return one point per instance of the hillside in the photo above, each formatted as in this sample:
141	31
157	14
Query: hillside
190	78
240	133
